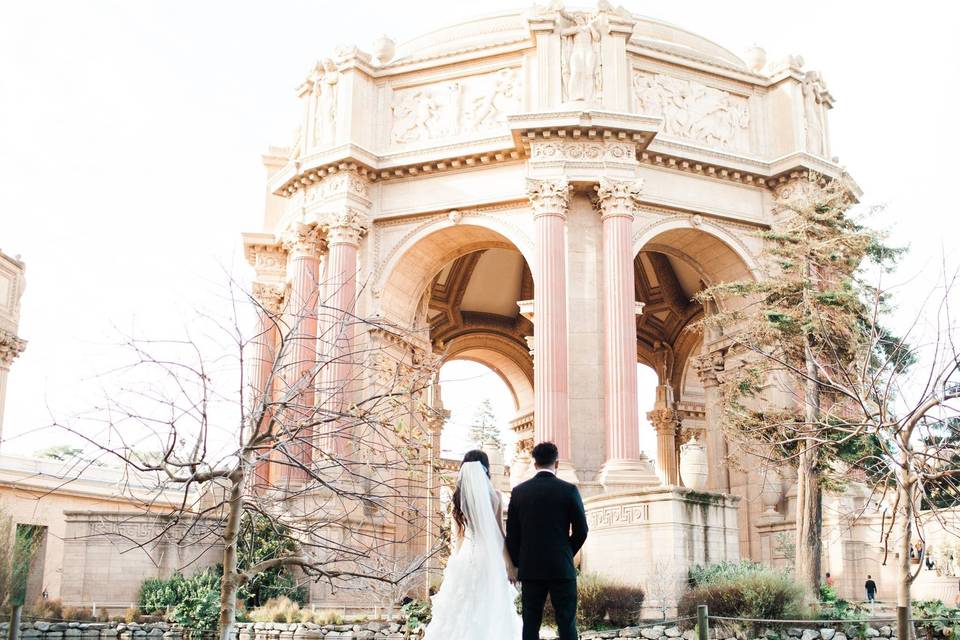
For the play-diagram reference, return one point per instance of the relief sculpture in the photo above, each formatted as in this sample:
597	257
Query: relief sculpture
452	108
694	111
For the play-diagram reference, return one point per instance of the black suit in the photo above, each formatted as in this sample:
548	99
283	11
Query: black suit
546	526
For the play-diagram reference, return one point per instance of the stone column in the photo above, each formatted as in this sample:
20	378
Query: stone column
666	422
343	241
709	368
625	462
11	346
303	245
262	361
550	199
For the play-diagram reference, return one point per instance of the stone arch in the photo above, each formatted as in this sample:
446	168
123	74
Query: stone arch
503	357
420	256
657	236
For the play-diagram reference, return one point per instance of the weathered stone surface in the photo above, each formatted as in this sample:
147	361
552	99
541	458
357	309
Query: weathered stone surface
630	632
886	631
872	633
827	633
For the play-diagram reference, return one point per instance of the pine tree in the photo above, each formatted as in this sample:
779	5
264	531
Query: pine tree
484	430
804	321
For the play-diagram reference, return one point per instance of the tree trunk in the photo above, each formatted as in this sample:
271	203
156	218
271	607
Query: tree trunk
230	583
809	494
904	570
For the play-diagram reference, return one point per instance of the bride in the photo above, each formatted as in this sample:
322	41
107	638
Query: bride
476	599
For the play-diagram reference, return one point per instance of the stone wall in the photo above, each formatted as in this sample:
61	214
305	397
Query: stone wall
374	630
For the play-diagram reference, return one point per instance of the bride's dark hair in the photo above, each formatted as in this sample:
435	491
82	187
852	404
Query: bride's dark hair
474	455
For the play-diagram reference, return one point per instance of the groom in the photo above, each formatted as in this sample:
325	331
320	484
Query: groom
546	526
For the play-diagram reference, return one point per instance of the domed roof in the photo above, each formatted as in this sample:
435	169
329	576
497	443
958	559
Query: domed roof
511	26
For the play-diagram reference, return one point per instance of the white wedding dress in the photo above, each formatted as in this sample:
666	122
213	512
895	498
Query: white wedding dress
476	600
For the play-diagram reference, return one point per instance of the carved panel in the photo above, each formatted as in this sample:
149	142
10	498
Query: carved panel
623	515
454	108
694	111
583	151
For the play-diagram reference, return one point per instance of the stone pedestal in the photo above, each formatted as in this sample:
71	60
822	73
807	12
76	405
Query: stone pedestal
637	533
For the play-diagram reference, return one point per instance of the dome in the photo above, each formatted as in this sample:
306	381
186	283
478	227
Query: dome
507	27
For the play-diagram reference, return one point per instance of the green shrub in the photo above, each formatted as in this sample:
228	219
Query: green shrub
744	590
418	614
938	618
833	607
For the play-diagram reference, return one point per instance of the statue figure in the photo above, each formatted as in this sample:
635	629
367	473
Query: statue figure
490	107
812	115
581	55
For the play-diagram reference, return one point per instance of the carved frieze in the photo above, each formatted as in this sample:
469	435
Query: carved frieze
268	260
454	108
694	111
338	184
623	515
580	151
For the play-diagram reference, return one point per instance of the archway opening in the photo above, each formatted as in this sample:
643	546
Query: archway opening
480	408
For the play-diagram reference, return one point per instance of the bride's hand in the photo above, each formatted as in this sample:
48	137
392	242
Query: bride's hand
512	573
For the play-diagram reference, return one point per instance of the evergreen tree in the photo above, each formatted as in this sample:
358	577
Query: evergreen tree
804	322
484	430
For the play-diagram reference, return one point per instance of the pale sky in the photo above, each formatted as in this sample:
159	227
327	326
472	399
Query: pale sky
131	134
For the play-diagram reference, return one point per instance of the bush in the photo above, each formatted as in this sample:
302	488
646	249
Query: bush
940	620
47	609
418	613
605	602
131	614
78	614
742	590
602	603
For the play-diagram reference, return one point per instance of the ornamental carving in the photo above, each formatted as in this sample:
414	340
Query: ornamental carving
549	197
268	260
303	239
709	367
618	197
581	68
694	111
812	113
455	107
346	226
269	295
583	151
664	419
342	183
620	516
324	97
11	346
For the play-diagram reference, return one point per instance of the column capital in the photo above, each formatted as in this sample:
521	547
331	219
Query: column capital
618	198
269	295
11	346
303	239
664	419
709	367
549	197
346	226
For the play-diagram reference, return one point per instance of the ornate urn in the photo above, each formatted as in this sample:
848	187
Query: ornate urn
772	491
693	464
756	58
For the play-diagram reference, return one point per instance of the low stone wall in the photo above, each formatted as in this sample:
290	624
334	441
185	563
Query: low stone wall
819	630
41	630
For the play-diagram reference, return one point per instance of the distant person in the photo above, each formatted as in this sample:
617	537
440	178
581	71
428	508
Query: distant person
871	588
829	580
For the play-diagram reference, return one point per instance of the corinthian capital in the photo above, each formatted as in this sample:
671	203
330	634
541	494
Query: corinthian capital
10	347
269	295
346	226
549	197
618	197
664	419
303	239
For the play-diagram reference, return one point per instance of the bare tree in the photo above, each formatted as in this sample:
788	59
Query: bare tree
324	437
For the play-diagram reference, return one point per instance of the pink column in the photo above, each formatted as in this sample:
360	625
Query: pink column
304	264
343	240
625	463
261	364
549	199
